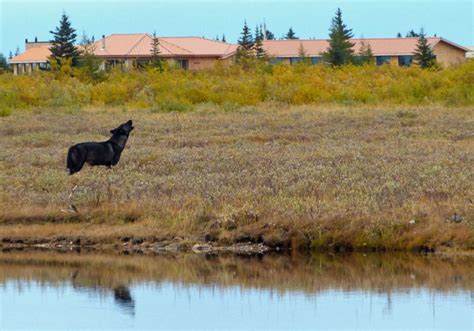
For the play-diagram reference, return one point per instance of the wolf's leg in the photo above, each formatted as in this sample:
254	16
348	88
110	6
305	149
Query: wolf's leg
76	157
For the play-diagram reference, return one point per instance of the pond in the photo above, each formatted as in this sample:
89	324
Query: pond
45	290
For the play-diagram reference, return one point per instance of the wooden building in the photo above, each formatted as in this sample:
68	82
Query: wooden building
127	50
394	51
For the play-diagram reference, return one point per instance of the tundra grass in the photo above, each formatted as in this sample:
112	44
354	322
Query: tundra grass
302	176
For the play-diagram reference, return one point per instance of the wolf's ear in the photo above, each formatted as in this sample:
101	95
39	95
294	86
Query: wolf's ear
130	122
113	131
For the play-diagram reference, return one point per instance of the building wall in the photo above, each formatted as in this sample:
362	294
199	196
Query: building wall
207	63
448	55
394	60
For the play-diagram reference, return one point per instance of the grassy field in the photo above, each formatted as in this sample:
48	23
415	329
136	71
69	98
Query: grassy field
302	176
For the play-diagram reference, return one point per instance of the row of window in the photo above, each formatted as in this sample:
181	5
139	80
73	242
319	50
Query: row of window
403	60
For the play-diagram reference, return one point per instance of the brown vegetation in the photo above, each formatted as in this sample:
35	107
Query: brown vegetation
300	176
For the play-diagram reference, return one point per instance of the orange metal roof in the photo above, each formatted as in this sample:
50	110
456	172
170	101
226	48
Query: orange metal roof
132	45
139	44
380	46
37	54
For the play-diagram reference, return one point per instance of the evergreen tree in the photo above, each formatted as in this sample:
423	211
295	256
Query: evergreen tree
89	64
365	56
424	55
303	55
10	55
257	33
412	34
246	44
399	35
223	38
269	35
246	41
259	50
340	47
291	34
155	53
17	52
3	63
63	42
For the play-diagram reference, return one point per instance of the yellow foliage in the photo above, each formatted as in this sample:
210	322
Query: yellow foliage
151	89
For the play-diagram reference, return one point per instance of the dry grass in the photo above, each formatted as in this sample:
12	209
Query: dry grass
301	176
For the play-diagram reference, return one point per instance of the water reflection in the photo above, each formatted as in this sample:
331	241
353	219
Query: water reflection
124	299
202	292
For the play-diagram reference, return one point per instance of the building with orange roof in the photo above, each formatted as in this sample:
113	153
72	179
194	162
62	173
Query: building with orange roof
127	50
195	53
395	51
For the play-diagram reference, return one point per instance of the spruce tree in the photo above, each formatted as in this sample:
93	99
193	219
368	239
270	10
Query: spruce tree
399	35
259	50
246	43
89	64
10	55
291	34
63	41
365	56
424	55
3	63
412	34
269	35
246	40
303	55
155	53
223	38
340	47
17	52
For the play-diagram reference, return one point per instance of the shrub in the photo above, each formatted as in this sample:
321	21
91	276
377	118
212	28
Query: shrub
178	90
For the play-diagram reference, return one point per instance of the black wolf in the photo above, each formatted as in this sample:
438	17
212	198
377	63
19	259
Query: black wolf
105	153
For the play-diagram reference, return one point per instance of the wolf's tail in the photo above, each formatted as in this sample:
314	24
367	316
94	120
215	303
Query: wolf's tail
74	163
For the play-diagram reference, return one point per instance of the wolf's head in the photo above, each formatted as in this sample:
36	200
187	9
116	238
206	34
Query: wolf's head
123	129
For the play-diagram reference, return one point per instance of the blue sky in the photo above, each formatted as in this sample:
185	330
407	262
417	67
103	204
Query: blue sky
20	19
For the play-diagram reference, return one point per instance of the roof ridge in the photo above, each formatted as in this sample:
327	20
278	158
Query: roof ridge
226	52
164	46
135	45
184	49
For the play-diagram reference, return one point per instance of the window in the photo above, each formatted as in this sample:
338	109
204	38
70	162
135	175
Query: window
183	64
294	60
382	60
405	60
315	60
276	60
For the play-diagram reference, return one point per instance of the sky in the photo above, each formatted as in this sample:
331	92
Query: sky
20	19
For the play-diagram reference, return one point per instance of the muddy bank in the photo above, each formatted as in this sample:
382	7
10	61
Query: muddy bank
133	245
154	245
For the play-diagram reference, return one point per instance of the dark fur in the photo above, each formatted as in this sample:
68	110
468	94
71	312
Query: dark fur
105	153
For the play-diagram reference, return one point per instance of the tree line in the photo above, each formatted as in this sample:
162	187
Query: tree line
65	55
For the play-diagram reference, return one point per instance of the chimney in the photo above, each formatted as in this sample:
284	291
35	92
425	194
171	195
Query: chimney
26	41
103	41
264	30
36	39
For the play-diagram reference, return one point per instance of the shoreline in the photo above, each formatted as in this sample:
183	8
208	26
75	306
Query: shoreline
140	246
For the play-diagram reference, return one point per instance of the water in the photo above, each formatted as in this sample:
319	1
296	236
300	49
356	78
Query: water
85	291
